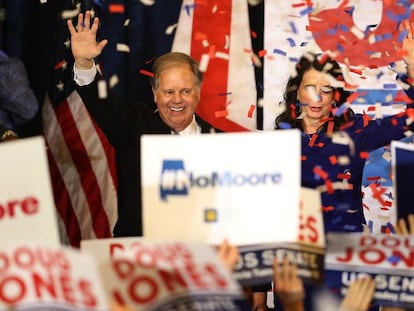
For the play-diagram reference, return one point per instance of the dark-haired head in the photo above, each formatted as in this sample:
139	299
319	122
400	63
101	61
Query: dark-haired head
321	63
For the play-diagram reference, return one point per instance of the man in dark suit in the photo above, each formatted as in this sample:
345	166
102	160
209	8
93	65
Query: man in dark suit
176	85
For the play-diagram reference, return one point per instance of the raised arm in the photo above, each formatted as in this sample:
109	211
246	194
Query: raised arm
408	48
83	40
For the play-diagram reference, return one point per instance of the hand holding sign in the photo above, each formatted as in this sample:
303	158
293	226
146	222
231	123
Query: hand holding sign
402	228
359	295
288	286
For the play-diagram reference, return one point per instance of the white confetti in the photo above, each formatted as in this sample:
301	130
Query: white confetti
205	59
170	29
222	55
121	47
102	90
113	81
148	2
357	32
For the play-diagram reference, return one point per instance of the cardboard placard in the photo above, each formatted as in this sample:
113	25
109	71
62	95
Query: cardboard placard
228	185
44	277
27	208
169	275
388	259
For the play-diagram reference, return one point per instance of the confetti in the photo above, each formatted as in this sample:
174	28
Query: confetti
116	8
222	55
113	81
357	33
251	111
280	52
221	114
121	47
291	42
147	2
146	73
170	29
102	89
67	14
204	61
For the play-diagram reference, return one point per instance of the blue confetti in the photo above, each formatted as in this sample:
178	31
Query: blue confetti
349	228
402	35
340	110
291	42
393	259
306	11
280	52
344	28
340	48
383	37
285	125
293	27
188	8
225	94
389	86
331	31
99	3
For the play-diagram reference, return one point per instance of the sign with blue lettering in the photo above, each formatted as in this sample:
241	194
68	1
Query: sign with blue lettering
226	185
388	259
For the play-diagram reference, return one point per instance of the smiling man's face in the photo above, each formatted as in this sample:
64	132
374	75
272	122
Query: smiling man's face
177	96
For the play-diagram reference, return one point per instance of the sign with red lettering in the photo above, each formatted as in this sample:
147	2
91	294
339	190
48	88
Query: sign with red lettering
165	275
388	259
255	264
41	277
26	199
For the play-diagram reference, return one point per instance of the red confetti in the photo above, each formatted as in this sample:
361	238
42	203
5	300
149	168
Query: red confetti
200	36
357	71
320	172
251	111
328	208
146	73
312	140
254	34
364	155
116	8
344	176
262	53
366	119
297	5
221	114
377	193
373	178
60	64
329	186
333	159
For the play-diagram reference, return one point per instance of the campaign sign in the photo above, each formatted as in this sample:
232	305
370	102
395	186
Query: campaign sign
44	277
255	265
227	185
27	209
168	275
388	259
402	164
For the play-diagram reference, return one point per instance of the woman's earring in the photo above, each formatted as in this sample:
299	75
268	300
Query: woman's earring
334	105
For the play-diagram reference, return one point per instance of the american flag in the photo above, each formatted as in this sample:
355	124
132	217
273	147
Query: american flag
81	160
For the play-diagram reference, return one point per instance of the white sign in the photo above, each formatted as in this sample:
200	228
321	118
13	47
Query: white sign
387	258
27	208
148	275
227	185
41	277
